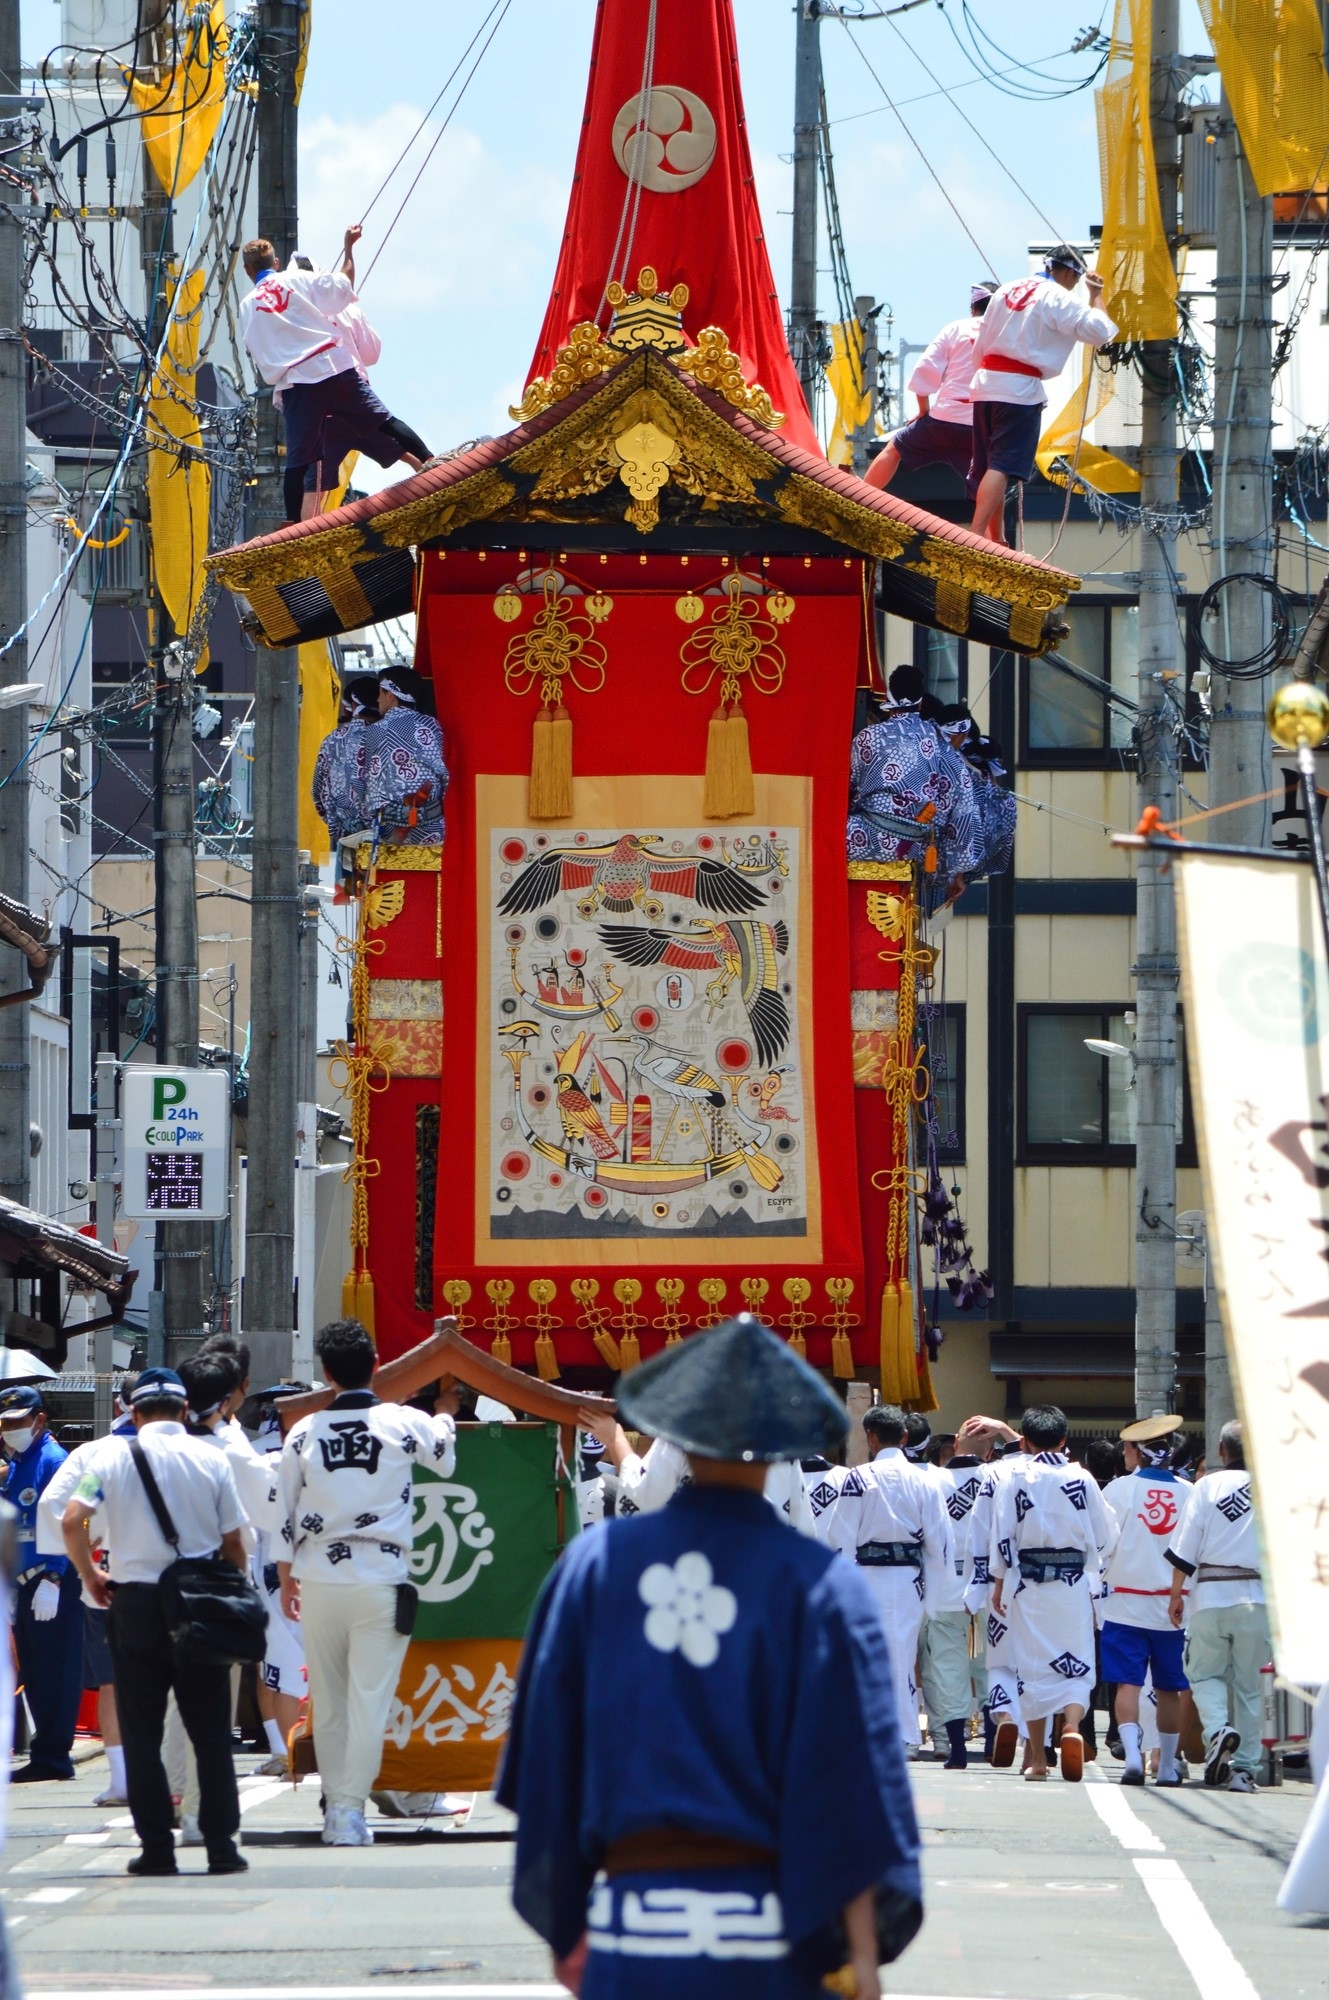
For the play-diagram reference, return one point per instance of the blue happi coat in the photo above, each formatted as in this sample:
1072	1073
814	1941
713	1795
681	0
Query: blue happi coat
705	1668
405	776
897	767
339	780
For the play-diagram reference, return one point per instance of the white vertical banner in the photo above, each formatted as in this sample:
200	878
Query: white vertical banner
1256	995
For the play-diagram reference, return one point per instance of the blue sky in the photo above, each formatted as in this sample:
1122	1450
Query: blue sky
460	290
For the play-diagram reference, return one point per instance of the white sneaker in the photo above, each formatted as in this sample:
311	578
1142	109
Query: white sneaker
276	1766
110	1797
345	1827
190	1832
1242	1781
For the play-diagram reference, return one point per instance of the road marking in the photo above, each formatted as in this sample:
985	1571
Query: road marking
1213	1965
54	1894
253	1792
1123	1824
86	1839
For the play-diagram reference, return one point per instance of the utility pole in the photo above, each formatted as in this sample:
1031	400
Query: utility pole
275	916
865	312
179	1244
306	1186
15	1116
1241	537
1156	930
807	128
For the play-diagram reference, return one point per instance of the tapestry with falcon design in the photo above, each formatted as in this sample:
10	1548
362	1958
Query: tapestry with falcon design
646	1113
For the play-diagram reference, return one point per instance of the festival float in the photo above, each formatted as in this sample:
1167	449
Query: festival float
637	1047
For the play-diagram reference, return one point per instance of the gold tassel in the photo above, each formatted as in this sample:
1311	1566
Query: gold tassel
892	1389
501	1349
842	1356
799	1345
630	1349
551	763
348	1284
672	1339
927	1395
362	1306
546	1360
607	1348
729	792
907	1336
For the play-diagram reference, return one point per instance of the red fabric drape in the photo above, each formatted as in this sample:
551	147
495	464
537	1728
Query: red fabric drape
702	228
639	752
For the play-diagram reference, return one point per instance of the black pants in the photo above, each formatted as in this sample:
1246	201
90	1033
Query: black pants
145	1674
50	1661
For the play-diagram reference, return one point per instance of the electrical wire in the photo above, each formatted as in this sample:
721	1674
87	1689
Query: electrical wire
437	141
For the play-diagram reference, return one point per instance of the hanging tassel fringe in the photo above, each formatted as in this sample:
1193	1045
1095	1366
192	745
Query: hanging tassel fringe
907	1338
606	1346
501	1349
630	1349
799	1345
546	1360
551	763
729	792
357	1298
925	1397
893	1388
842	1357
672	1339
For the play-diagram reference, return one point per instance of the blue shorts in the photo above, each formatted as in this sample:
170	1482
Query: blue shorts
1129	1654
1005	440
929	440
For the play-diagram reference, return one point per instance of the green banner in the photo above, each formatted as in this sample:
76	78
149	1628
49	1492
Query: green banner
486	1537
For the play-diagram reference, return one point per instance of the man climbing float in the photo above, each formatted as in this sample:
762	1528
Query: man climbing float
310	341
1025	339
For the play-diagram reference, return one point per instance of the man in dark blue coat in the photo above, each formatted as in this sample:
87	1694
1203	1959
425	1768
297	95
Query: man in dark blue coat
48	1614
693	1678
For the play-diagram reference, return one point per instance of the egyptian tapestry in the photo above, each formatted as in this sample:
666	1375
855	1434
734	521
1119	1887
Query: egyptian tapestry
646	1115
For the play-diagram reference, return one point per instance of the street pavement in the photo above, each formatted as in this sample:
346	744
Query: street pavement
1046	1892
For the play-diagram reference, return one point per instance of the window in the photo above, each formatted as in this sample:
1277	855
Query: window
1066	721
1077	1107
942	1029
943	660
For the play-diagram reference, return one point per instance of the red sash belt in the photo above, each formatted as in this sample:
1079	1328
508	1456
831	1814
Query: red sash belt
1004	365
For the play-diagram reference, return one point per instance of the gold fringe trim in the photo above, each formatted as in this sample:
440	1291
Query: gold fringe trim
546	1359
630	1351
501	1349
881	871
953	606
1026	625
550	795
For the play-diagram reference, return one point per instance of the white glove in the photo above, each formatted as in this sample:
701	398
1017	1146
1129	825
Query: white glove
45	1600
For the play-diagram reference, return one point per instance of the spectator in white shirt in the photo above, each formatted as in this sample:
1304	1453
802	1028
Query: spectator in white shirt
344	1497
943	431
1216	1556
1028	333
198	1491
311	342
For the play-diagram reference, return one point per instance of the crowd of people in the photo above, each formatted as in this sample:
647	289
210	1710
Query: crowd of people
320	1521
1158	1601
1012	1589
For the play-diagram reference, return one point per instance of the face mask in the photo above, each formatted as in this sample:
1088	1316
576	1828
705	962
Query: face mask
17	1442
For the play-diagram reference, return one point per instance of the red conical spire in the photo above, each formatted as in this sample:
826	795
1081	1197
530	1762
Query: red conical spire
664	178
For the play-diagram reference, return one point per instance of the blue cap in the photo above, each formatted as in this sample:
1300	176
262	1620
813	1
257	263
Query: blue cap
20	1403
158	1385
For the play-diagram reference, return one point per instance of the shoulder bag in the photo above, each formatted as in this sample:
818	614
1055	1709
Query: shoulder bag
213	1612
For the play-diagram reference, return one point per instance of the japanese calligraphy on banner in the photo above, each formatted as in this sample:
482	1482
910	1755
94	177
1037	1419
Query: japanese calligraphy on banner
484	1540
1257	1034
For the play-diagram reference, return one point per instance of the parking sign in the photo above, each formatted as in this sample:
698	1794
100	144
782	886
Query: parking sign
176	1131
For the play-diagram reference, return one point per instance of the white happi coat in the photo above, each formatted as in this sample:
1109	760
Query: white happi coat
891	1500
1149	1508
647	1484
1047	1503
824	1487
1003	1679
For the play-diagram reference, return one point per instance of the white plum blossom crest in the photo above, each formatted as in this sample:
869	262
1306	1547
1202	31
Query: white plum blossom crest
688	1609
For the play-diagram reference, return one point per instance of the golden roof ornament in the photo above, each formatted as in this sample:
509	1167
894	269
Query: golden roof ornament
649	318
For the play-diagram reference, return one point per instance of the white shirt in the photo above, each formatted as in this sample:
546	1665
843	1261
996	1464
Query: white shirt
1047	1503
1035	321
960	1486
944	371
824	1487
344	1489
894	1501
254	1472
290	324
978	1575
1149	1507
647	1484
1219	1528
196	1484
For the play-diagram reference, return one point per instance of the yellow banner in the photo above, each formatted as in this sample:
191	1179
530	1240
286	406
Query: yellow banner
853	402
179	483
1271	59
320	698
181	112
1065	436
1140	284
